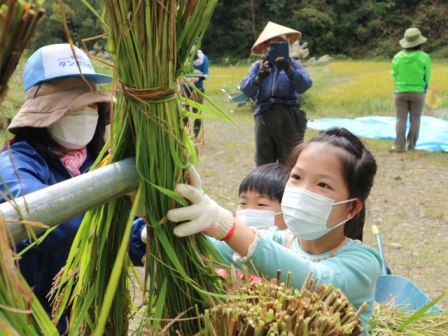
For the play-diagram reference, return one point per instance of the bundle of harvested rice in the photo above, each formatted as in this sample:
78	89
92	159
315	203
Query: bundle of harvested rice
272	308
149	41
18	21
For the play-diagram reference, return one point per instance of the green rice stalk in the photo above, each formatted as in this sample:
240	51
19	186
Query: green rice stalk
389	319
147	38
20	311
18	21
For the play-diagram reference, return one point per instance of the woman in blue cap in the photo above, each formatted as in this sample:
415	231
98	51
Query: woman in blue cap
59	132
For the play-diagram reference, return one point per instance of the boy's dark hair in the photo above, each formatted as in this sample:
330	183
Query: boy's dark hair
268	180
358	166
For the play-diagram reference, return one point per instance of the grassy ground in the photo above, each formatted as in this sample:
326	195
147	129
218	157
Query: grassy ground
408	201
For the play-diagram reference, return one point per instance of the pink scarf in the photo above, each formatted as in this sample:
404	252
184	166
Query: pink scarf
73	160
200	58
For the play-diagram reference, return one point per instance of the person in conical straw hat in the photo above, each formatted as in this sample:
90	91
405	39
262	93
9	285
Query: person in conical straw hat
277	81
274	32
411	69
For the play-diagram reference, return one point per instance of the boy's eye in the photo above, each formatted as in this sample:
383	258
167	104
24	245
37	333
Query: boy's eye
261	205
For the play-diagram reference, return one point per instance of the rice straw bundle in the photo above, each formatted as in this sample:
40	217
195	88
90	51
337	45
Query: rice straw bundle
150	41
274	308
18	21
20	312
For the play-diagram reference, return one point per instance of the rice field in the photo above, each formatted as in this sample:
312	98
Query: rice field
341	89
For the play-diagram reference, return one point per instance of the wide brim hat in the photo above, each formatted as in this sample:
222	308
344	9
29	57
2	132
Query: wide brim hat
48	102
274	30
412	38
58	61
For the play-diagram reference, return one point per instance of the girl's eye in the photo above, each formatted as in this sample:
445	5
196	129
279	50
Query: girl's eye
324	185
295	177
261	205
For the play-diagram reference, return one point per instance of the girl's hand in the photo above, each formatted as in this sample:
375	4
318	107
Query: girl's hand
203	215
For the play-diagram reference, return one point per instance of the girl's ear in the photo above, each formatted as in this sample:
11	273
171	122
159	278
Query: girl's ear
355	207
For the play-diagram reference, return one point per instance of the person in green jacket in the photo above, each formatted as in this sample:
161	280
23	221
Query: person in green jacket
411	69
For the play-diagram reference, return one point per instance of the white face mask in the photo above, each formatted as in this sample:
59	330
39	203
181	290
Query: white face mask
259	219
76	130
306	213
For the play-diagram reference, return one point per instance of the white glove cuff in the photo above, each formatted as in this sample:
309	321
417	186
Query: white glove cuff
143	235
223	224
226	225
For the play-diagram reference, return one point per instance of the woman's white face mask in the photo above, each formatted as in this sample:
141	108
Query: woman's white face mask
76	130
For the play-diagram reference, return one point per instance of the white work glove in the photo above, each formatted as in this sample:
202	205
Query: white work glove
144	235
203	215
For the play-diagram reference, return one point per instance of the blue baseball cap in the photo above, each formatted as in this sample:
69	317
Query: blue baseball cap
57	61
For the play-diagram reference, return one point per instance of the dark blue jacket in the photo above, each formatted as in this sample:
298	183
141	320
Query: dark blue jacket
278	87
41	263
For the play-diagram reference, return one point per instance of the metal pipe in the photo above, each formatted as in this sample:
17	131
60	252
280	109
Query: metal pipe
62	201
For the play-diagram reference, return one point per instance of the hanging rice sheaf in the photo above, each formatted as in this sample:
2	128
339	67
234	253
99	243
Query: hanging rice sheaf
18	21
150	41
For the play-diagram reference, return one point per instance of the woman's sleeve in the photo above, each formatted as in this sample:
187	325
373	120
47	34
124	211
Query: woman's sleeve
300	78
249	85
205	67
393	73
428	70
23	176
137	248
27	175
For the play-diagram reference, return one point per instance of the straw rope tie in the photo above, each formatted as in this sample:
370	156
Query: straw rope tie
157	94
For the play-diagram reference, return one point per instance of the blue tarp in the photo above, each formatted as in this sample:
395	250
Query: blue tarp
433	131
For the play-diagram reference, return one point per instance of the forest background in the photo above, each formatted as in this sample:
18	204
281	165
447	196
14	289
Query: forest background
356	29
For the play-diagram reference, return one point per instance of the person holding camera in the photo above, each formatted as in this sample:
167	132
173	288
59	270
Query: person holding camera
276	80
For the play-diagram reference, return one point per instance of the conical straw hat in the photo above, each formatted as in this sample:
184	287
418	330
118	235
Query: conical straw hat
272	30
